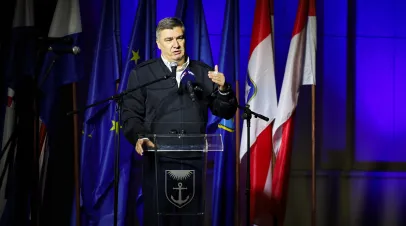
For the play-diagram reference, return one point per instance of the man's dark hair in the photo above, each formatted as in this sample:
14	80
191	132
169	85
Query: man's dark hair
169	23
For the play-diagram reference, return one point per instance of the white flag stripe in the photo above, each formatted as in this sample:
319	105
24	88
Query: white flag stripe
66	20
261	72
309	74
290	86
24	14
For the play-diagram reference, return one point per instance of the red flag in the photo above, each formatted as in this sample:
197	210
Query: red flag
300	69
261	96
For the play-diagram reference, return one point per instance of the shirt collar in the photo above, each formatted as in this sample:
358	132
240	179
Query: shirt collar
168	64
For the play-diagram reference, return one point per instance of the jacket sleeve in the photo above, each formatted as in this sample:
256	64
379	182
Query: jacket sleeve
133	111
223	103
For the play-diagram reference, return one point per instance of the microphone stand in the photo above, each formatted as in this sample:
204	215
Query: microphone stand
248	115
118	98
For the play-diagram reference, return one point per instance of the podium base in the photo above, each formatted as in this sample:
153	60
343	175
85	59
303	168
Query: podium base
173	189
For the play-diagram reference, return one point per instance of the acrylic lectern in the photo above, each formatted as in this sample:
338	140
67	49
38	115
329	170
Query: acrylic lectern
181	163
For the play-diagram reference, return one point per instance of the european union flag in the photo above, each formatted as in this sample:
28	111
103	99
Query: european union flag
140	49
142	43
101	127
192	14
224	181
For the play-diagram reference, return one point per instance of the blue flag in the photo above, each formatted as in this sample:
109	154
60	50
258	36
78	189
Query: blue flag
60	69
198	42
140	49
224	181
142	42
100	129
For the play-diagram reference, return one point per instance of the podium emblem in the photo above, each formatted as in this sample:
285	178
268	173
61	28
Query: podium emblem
179	186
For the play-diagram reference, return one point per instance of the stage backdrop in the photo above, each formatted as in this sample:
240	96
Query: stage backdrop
361	87
360	124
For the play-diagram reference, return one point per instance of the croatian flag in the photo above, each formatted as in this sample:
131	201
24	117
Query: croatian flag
300	69
261	96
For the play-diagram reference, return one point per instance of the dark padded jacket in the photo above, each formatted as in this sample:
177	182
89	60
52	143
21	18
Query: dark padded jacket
163	108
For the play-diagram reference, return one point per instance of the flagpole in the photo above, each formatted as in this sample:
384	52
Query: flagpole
76	155
313	155
237	156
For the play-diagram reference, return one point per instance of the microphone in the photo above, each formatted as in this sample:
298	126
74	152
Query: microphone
174	65
187	80
74	50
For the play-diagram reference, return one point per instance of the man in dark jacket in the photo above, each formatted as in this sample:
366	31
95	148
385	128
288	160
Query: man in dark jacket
177	105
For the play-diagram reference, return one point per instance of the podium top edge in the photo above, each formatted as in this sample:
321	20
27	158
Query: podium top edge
183	135
177	150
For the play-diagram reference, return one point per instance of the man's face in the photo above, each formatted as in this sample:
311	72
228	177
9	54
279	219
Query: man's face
171	42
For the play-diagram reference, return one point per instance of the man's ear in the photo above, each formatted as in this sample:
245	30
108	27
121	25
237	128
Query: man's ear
159	45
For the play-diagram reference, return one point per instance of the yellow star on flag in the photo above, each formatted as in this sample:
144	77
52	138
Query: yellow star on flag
114	126
89	135
136	56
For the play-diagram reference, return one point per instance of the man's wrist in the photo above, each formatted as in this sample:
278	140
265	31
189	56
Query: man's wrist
224	89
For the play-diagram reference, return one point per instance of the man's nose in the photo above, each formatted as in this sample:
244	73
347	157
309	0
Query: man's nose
175	43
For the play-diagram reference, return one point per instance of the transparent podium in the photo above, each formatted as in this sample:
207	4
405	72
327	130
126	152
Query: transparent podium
181	177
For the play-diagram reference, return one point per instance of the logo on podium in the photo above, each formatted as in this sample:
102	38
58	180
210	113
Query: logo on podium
179	186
